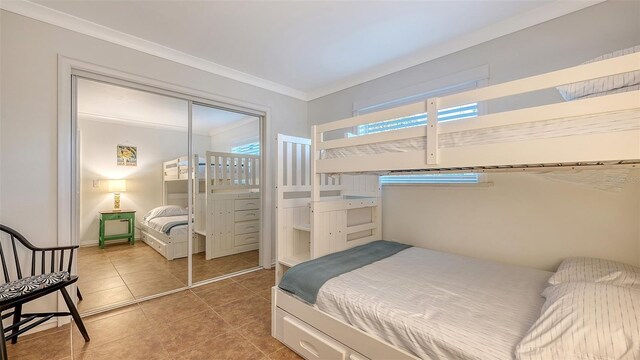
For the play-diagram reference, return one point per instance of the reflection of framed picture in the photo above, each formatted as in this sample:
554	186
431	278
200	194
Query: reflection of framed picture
127	155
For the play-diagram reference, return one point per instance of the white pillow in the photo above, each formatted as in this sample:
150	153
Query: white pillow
604	86
581	269
164	211
585	321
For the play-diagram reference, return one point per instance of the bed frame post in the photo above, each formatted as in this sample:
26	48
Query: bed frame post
432	131
279	217
165	197
315	192
315	181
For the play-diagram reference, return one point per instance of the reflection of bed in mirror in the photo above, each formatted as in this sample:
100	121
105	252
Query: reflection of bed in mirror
165	229
226	206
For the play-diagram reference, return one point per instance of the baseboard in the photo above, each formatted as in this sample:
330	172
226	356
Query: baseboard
49	324
96	242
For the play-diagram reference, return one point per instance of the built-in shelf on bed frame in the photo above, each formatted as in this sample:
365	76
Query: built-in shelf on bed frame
226	204
355	197
595	133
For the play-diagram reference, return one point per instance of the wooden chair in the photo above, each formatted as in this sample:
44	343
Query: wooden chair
45	278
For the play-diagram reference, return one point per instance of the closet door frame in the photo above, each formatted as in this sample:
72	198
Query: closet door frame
69	70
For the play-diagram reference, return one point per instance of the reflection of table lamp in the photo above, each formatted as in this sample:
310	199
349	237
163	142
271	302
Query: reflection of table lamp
116	187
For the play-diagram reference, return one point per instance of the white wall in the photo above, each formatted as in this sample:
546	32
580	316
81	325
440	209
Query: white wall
144	181
522	219
232	136
29	110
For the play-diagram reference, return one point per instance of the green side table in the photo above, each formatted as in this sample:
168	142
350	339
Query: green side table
123	215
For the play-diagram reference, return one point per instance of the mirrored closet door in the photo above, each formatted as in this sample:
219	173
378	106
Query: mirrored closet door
226	161
133	219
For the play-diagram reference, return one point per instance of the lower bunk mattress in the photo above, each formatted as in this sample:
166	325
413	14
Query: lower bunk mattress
432	304
170	225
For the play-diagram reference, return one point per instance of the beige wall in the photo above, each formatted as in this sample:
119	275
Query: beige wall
29	109
28	125
522	219
144	181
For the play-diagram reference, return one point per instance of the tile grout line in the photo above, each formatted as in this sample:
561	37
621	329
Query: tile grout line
235	329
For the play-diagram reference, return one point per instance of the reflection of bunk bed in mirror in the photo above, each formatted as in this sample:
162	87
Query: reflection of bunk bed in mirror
226	215
598	132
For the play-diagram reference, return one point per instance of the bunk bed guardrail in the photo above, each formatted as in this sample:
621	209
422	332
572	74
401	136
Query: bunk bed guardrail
226	171
570	146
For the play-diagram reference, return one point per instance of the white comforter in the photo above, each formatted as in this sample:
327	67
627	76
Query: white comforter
438	305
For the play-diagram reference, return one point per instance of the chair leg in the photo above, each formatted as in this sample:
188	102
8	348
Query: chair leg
17	315
3	345
79	294
75	314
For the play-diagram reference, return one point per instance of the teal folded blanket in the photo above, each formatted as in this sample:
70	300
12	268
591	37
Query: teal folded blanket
305	280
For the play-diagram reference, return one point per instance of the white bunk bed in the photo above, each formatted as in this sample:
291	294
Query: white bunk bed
599	130
226	205
591	133
232	203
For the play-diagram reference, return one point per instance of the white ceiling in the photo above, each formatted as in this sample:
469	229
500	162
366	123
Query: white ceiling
304	49
111	103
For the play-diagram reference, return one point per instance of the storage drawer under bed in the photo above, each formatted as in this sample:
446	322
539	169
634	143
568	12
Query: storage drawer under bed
311	343
154	243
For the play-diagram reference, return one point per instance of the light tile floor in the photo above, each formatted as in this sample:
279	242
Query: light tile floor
229	319
121	272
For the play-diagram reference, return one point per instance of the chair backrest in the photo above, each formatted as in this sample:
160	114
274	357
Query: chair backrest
39	260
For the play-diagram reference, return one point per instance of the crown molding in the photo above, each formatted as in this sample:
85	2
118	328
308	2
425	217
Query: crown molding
531	18
510	25
73	23
157	126
131	122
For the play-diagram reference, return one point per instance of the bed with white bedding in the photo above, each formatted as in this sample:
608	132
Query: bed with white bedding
420	304
436	305
166	230
385	300
170	225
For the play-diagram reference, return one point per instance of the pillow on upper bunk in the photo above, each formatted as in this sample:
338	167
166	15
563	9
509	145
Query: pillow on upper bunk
585	321
164	211
580	269
604	86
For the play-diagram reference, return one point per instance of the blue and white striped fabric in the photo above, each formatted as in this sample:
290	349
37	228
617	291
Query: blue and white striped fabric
170	225
583	320
581	269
